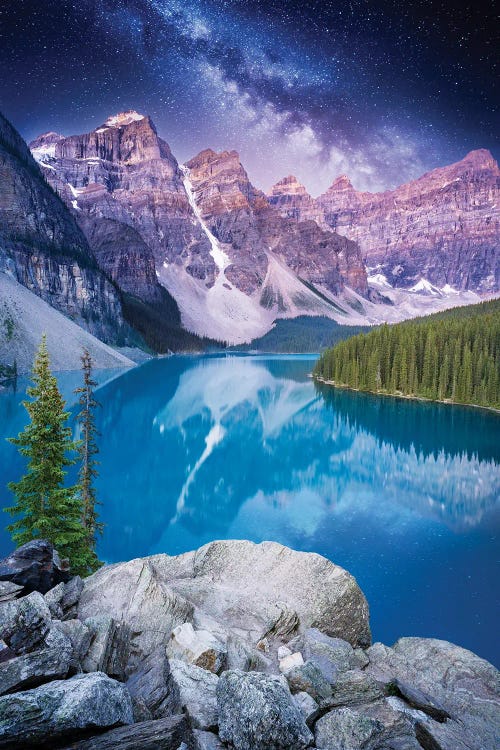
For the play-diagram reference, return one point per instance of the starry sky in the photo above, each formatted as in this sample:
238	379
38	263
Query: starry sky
381	91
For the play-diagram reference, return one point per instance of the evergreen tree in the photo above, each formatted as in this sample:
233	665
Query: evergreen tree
88	451
44	506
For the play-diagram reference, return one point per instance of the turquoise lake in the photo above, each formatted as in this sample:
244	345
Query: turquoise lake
405	495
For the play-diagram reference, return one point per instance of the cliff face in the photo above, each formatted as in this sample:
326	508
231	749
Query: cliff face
123	171
251	229
444	227
43	248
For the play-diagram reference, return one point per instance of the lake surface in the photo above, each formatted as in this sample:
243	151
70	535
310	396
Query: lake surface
405	495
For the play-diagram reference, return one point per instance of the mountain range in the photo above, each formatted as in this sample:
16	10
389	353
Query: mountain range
108	228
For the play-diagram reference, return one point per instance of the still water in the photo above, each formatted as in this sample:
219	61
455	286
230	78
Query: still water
404	495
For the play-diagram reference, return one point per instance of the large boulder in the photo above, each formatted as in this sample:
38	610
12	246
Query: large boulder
346	729
193	691
164	734
139	595
257	712
52	662
35	566
376	726
308	678
24	622
63	708
439	676
150	684
265	593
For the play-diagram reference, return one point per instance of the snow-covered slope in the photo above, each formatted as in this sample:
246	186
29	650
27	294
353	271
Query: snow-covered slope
23	319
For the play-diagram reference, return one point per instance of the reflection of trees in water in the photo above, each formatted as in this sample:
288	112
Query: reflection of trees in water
427	426
457	490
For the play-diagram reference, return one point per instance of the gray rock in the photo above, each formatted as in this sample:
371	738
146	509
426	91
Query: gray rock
464	685
63	598
339	653
306	705
62	708
290	661
206	741
432	735
109	647
102	630
240	655
80	637
72	592
198	647
35	566
308	678
136	594
53	597
284	624
53	662
352	687
421	701
9	591
150	684
344	729
140	711
162	734
397	731
193	690
257	712
360	659
25	622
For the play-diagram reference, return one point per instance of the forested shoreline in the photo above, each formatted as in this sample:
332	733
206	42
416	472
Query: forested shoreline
452	356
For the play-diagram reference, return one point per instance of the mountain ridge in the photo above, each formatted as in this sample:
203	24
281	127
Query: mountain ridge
235	259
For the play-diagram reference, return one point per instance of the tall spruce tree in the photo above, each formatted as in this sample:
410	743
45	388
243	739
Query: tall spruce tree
88	450
44	506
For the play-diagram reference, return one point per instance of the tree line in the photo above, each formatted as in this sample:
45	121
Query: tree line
45	507
453	357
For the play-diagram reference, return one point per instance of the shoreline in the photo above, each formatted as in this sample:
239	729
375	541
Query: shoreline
448	402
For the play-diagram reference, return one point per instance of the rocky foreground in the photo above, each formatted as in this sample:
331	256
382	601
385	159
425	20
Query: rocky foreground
236	645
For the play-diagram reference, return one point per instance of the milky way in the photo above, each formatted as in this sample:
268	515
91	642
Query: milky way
381	91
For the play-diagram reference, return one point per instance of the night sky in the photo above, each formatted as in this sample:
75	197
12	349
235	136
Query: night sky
381	91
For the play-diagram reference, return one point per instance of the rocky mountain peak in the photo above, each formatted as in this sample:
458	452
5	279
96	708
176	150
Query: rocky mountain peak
209	162
341	183
123	118
480	158
288	186
128	138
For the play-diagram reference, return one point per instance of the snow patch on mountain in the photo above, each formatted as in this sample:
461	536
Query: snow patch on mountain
123	118
221	260
423	286
221	312
378	280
